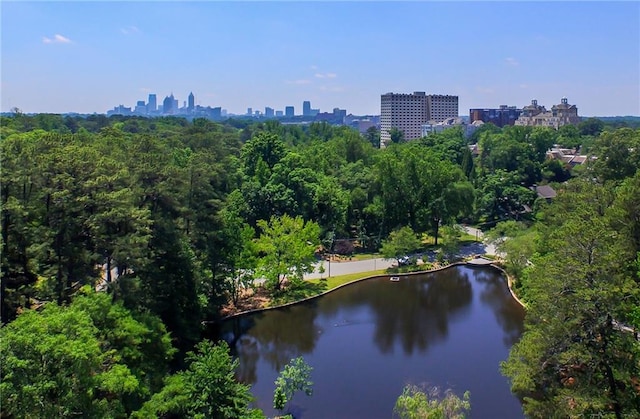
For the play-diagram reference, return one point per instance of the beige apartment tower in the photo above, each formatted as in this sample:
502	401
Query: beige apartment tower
408	112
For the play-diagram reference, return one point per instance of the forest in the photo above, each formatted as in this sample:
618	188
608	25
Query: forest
121	235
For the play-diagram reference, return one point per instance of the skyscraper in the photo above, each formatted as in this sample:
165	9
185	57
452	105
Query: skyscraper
289	112
152	104
140	108
306	108
168	105
192	101
408	112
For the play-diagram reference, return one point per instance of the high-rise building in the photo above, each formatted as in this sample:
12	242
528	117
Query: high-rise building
249	111
268	112
441	107
408	112
152	104
289	111
168	105
306	108
192	102
140	108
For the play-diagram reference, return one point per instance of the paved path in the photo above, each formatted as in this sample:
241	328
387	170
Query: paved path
489	248
344	268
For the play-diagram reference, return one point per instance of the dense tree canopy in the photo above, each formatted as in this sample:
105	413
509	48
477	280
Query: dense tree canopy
93	358
206	389
575	358
175	218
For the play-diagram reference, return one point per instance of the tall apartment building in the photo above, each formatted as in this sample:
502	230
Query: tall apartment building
442	107
408	112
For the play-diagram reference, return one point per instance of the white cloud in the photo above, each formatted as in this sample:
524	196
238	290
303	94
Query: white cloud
129	30
301	81
511	61
326	75
57	39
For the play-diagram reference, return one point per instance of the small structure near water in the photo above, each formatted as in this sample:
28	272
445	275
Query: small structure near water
480	261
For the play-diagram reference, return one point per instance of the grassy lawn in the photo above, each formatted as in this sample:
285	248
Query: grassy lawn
316	286
335	281
313	287
366	256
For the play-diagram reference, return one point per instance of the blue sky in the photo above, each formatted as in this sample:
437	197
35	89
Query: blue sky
91	56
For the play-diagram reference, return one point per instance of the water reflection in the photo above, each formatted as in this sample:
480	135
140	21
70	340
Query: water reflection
450	328
417	314
505	310
282	335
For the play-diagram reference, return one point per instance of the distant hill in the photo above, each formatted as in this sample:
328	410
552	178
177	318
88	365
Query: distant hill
619	121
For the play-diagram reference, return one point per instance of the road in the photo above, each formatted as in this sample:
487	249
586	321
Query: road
344	268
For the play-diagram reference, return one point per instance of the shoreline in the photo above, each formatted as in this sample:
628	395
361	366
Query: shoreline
257	310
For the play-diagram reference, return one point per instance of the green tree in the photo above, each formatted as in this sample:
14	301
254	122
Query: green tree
373	136
296	376
92	358
264	146
449	144
516	244
415	403
241	259
618	154
574	359
449	196
569	136
400	243
288	245
206	389
591	126
500	195
396	135
451	241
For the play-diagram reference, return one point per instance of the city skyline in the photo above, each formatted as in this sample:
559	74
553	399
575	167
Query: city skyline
153	107
88	57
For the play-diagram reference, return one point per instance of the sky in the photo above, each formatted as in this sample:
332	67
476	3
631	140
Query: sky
86	56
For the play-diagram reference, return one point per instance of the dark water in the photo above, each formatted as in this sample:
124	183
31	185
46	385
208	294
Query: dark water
366	341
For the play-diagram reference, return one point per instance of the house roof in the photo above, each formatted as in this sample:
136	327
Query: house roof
546	192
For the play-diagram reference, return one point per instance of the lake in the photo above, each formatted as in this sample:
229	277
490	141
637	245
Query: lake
365	341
